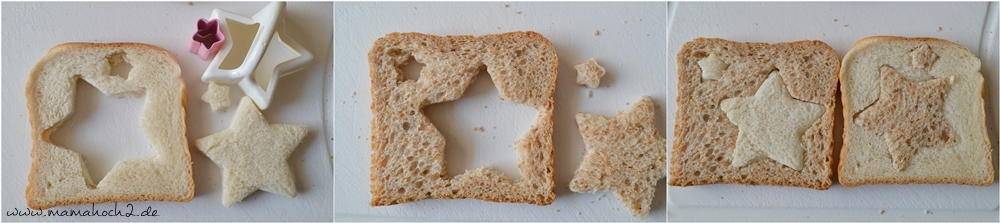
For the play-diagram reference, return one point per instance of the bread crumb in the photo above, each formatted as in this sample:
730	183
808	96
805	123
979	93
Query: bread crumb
190	4
596	32
834	20
506	5
845	25
558	210
478	129
881	211
331	138
484	106
939	29
590	94
517	12
353	93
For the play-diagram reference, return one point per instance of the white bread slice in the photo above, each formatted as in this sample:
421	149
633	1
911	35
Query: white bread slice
944	140
58	175
705	139
407	161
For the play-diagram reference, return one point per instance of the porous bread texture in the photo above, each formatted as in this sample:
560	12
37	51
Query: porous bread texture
625	154
407	161
865	157
704	138
58	175
589	74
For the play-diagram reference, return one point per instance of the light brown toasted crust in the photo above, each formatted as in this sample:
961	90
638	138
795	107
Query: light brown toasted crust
862	43
408	152
704	138
40	136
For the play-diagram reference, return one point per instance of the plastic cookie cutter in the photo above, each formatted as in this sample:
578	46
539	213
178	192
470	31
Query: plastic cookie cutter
256	53
208	39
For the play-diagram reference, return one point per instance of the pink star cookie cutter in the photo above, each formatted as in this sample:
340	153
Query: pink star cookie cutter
208	39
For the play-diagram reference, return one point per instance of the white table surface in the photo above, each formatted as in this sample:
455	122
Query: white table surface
973	25
630	46
30	29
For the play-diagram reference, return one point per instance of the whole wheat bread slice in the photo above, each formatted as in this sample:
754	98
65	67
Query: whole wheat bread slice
913	111
704	136
407	161
58	175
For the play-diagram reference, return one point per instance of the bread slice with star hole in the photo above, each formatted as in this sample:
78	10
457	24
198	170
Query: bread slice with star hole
407	160
58	175
914	113
754	113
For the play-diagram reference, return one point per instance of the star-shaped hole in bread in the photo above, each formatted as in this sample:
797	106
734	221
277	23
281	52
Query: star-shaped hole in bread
771	124
625	154
253	154
909	115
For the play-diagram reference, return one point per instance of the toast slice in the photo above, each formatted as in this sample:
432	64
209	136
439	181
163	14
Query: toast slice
913	111
754	113
58	175
407	161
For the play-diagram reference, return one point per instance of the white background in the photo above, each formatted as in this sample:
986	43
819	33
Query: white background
630	46
972	25
110	132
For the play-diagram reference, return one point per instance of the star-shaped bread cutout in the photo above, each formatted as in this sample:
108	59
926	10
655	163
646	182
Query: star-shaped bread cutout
712	67
589	73
909	115
217	96
771	124
922	58
624	154
253	154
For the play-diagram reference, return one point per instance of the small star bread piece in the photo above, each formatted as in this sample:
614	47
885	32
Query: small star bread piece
922	58
712	67
217	96
909	115
624	154
253	154
771	124
589	73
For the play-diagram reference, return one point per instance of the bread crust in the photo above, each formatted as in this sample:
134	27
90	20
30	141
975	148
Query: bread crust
845	177
39	194
407	161
704	137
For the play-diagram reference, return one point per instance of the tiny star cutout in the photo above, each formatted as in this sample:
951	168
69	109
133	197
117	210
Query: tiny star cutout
253	154
909	115
770	124
922	58
624	154
589	73
217	96
712	67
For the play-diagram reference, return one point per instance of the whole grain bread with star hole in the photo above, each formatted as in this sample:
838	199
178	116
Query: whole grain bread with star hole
754	113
